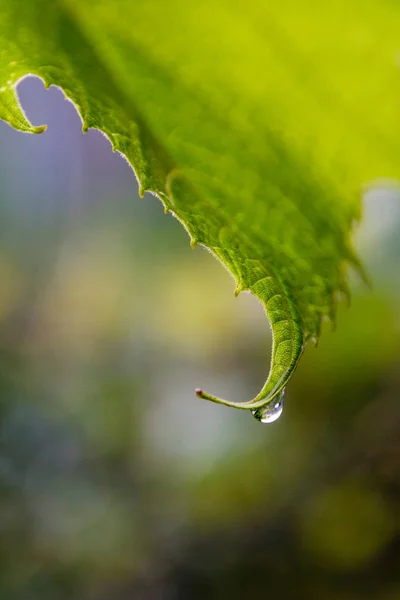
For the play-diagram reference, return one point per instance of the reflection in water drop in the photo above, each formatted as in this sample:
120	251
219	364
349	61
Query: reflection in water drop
272	411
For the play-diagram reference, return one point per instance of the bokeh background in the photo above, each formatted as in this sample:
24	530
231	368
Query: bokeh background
116	482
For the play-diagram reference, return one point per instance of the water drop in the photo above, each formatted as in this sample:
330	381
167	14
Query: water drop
272	411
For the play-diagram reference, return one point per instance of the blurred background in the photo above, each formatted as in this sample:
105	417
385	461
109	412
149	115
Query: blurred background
116	482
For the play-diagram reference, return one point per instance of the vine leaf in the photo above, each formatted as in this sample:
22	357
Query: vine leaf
255	123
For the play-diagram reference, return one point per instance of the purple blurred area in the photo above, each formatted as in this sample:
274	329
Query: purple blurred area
116	482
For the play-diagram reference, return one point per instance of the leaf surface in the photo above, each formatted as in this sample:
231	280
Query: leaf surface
256	123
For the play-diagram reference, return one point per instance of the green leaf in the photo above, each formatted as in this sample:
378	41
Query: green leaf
256	123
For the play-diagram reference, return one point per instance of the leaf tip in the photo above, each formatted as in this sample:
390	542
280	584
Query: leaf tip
238	289
38	129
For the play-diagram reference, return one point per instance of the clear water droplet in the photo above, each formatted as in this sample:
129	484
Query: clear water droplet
272	411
